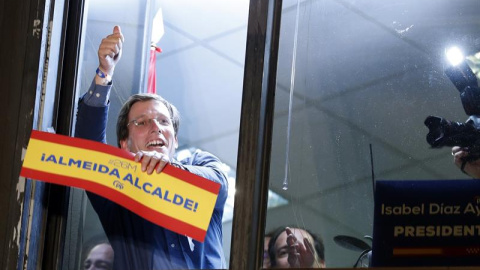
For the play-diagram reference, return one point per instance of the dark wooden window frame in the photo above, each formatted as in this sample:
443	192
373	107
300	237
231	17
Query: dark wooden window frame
256	124
33	214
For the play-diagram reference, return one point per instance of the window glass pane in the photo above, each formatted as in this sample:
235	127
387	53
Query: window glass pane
355	82
128	79
199	70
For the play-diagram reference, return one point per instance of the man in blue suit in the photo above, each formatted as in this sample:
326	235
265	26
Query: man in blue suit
147	126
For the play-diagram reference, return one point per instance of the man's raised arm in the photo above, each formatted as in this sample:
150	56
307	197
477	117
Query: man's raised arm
92	111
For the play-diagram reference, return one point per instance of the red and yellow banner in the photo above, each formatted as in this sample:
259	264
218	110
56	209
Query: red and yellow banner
174	199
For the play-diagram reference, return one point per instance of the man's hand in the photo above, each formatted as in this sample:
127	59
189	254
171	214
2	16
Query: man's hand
152	161
300	255
110	51
471	168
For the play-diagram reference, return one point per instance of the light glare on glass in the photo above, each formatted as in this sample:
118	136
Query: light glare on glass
454	56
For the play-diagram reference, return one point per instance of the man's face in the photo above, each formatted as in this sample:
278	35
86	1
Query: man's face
150	135
100	257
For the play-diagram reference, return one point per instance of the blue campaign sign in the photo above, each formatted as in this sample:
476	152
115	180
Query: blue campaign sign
426	223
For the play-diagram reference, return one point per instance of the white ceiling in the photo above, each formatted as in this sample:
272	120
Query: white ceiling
201	71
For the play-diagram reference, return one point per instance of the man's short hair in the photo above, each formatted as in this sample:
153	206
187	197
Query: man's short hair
122	121
89	245
317	244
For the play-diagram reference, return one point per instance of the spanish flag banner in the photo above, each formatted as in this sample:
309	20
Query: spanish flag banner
174	199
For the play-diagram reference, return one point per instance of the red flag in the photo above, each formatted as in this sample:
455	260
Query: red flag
152	82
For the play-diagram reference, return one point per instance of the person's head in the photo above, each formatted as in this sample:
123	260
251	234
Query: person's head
148	122
99	257
278	248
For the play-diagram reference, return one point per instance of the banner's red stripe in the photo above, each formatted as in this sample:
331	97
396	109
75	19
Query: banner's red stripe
80	143
192	179
444	251
121	199
183	175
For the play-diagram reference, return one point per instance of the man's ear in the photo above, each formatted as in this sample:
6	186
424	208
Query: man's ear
176	142
124	144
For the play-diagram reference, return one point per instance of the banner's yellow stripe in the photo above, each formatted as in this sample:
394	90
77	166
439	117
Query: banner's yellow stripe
86	164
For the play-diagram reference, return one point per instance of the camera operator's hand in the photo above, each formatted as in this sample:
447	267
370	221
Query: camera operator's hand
471	168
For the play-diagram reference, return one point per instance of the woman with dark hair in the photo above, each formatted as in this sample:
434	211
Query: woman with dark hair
296	248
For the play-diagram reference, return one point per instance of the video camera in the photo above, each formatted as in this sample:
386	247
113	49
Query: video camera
447	133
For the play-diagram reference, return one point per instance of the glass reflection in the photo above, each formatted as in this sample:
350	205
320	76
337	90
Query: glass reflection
366	75
200	70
